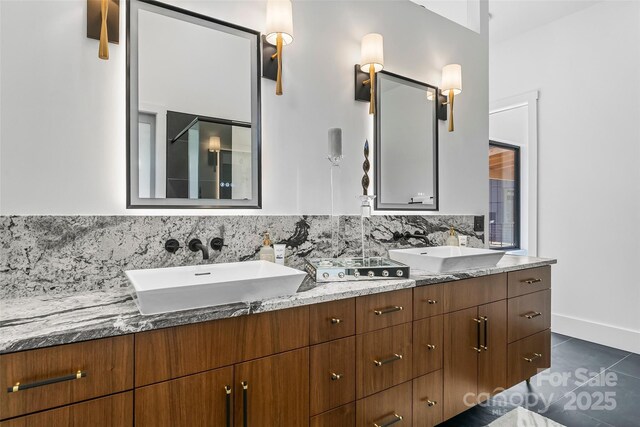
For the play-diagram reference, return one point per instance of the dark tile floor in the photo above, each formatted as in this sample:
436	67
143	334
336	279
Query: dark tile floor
588	385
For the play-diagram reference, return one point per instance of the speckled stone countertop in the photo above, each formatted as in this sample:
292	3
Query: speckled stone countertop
29	323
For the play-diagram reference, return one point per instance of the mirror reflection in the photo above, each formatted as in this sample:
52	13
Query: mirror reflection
406	144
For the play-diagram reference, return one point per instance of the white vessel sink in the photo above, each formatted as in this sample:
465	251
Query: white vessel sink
444	259
162	290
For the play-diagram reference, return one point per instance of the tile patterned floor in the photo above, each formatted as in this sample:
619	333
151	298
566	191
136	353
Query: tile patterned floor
588	385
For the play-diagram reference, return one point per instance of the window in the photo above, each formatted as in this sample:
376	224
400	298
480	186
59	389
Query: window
504	184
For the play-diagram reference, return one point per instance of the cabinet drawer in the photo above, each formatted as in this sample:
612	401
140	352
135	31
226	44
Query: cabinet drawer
332	320
528	356
199	399
383	310
112	411
427	400
332	374
386	407
344	416
169	353
383	359
427	345
473	292
104	366
528	281
529	314
427	301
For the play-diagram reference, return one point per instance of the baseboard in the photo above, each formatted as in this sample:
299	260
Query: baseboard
611	336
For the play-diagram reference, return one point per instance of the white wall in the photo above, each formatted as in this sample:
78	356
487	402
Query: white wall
587	68
63	110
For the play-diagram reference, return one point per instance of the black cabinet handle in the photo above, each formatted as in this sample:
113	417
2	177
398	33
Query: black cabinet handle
227	389
486	332
71	377
245	403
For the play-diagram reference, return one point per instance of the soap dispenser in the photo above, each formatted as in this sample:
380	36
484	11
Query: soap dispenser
266	251
452	240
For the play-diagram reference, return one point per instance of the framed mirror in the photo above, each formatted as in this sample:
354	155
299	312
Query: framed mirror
193	110
406	144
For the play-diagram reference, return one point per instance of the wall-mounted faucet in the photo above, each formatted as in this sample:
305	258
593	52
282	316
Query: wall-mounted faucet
417	235
195	245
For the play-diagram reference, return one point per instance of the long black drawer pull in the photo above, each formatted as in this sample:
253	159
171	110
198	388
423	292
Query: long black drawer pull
396	418
388	310
20	387
245	403
394	358
227	389
531	281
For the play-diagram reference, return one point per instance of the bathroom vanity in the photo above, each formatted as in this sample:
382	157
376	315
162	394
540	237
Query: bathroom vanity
408	352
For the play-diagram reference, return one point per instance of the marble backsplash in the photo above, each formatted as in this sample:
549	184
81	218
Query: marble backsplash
61	254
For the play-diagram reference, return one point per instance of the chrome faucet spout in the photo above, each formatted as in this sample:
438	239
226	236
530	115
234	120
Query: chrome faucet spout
195	245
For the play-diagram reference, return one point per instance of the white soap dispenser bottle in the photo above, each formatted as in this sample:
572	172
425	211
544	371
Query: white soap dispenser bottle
266	251
452	240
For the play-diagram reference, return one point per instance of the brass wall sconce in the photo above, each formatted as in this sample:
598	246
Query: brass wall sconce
371	62
279	34
103	23
451	86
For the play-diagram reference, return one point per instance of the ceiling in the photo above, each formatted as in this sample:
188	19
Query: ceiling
510	18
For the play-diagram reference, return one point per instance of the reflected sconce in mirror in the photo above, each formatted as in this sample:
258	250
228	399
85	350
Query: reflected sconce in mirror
279	34
214	144
371	62
103	24
451	86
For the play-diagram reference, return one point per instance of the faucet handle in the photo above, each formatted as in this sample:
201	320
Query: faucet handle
172	246
217	243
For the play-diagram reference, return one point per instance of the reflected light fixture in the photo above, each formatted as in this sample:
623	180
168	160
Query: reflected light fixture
451	86
371	62
279	33
214	144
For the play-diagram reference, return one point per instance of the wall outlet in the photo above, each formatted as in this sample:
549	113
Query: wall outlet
464	240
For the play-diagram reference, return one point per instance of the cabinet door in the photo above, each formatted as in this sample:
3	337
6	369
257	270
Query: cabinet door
197	400
273	391
461	347
492	361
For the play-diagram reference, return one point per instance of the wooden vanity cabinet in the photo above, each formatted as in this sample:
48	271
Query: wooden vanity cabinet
412	357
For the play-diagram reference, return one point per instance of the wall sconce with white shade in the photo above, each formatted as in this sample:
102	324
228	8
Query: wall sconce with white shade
451	86
279	33
103	24
371	62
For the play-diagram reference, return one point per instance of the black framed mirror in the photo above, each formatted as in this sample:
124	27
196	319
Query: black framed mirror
193	110
406	144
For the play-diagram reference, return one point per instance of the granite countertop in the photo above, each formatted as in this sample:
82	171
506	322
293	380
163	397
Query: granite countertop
29	323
